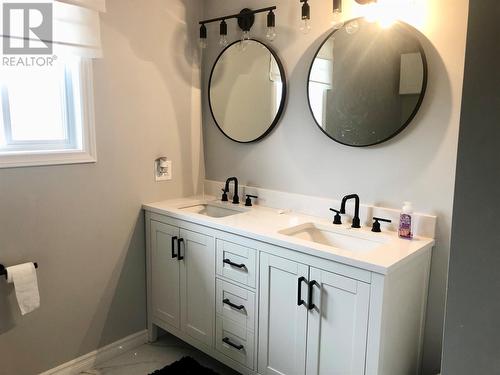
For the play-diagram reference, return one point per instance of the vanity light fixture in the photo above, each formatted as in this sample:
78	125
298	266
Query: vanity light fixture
271	26
223	34
385	12
202	42
305	24
337	21
246	19
245	22
372	12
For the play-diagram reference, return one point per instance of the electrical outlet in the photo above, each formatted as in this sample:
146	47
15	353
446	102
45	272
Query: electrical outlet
163	172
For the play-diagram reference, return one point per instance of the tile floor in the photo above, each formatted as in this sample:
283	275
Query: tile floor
147	358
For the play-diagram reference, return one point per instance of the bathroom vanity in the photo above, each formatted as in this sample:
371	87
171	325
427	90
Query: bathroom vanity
273	292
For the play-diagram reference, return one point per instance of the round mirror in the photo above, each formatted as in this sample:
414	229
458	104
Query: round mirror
246	91
366	82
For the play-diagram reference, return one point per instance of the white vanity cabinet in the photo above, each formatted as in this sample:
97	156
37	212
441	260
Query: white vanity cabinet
283	322
164	273
305	311
181	273
340	310
266	309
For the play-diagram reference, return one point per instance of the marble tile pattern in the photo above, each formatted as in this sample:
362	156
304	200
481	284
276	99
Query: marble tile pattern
147	358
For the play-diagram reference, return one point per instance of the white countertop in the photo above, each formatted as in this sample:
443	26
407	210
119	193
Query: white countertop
263	224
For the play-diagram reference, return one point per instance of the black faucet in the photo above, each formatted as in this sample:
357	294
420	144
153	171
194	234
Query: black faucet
236	199
355	219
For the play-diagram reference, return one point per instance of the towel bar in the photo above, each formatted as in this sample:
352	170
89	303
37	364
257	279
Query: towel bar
3	270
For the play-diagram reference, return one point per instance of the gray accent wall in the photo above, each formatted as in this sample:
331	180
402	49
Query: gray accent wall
417	165
83	223
472	334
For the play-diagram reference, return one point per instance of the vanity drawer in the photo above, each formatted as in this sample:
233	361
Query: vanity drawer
235	342
236	262
235	303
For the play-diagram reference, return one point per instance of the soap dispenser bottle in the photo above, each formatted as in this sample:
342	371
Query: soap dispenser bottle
406	221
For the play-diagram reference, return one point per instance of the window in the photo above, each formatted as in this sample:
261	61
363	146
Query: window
46	109
46	114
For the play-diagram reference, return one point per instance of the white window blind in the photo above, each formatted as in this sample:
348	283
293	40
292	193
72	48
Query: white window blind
76	27
46	112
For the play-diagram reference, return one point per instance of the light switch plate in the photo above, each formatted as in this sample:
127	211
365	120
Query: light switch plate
167	175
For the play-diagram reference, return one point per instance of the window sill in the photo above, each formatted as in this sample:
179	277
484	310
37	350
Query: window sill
13	160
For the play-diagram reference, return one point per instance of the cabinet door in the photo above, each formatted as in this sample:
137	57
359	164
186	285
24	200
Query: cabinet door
283	321
165	294
197	285
337	325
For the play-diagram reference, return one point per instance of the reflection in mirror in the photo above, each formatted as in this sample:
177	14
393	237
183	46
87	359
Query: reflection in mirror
247	91
366	83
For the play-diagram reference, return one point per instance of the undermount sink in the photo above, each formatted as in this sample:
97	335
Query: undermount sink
212	210
338	238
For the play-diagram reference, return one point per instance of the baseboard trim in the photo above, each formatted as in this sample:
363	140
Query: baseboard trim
90	360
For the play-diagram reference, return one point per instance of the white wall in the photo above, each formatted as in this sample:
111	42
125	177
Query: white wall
417	165
83	223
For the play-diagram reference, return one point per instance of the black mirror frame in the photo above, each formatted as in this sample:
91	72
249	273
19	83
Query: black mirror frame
283	96
420	99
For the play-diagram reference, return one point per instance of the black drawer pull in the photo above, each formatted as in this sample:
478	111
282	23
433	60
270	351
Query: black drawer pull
310	304
228	261
300	301
174	255
227	341
180	241
229	303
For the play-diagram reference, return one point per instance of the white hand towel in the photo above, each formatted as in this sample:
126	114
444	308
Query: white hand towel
26	285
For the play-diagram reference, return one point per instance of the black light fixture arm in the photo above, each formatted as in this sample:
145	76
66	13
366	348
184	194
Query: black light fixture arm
245	13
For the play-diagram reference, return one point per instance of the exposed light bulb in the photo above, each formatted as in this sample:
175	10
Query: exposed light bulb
305	26
390	10
245	37
271	26
386	22
305	23
223	42
352	27
223	34
271	33
372	12
337	22
202	43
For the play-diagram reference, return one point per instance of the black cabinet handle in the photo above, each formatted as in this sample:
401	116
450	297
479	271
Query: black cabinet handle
310	304
180	241
229	303
300	301
228	341
228	261
174	255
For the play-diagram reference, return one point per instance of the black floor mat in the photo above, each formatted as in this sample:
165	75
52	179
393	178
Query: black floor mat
185	366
